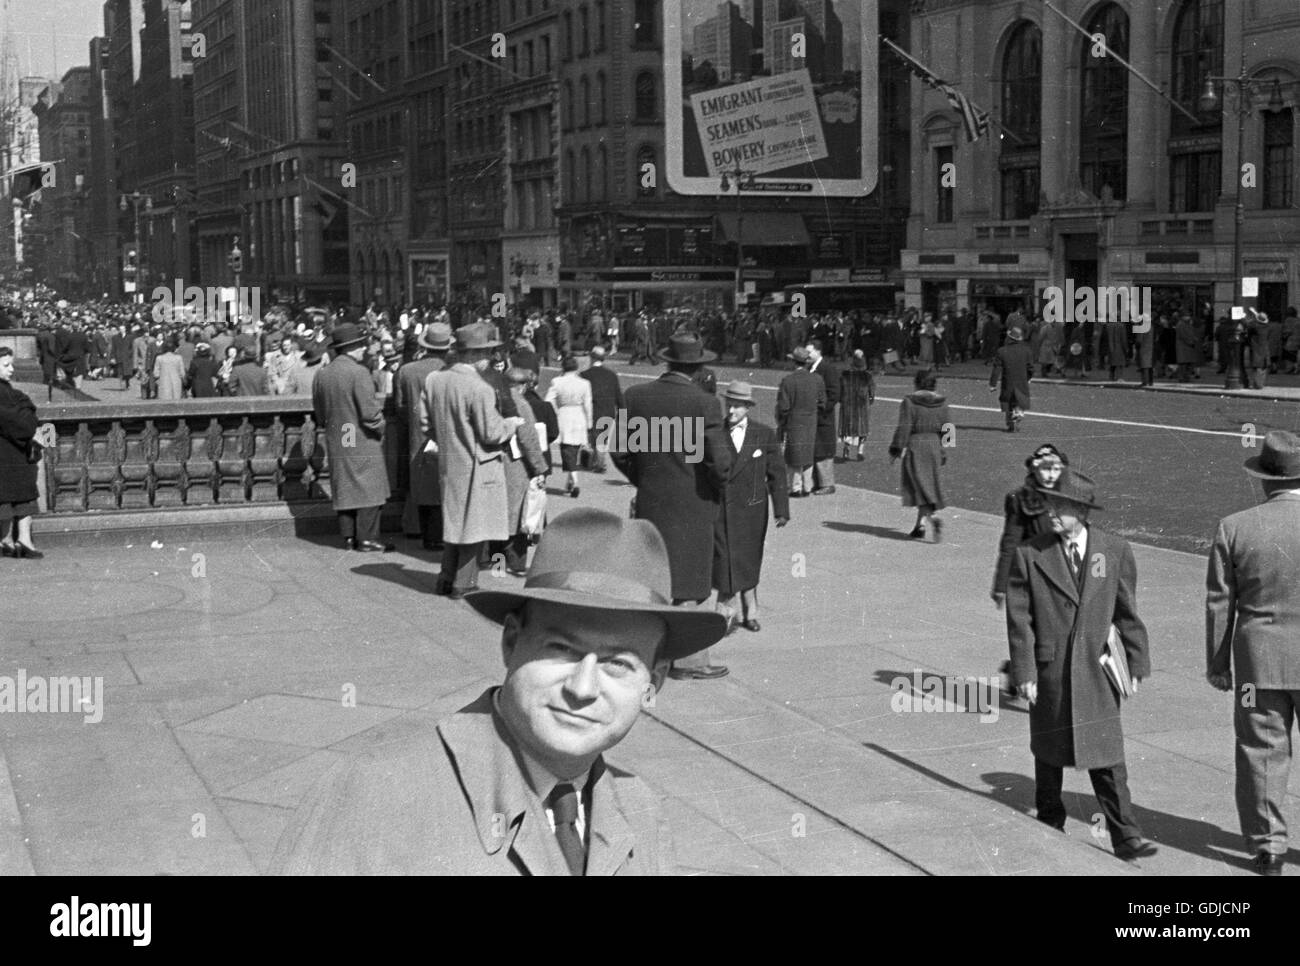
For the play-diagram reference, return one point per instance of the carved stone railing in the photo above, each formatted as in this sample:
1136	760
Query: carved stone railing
187	453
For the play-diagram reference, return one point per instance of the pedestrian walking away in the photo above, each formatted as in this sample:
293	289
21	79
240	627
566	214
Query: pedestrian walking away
924	427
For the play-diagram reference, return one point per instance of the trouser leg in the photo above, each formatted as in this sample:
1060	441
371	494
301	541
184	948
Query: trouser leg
1110	785
824	472
1047	793
516	552
368	524
348	524
467	565
701	658
1264	767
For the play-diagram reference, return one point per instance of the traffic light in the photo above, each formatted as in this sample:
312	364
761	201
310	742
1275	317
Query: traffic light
236	261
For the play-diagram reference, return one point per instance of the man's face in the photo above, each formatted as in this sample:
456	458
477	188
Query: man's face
736	412
576	680
1068	518
285	346
7	368
814	355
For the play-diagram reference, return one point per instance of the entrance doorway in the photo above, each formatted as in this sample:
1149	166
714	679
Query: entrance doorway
1273	300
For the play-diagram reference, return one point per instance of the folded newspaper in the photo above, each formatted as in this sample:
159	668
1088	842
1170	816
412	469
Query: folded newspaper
1115	663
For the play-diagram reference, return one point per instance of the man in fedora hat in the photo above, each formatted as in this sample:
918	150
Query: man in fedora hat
462	419
303	377
677	491
1252	624
343	397
1013	366
516	783
800	398
1068	590
421	513
757	474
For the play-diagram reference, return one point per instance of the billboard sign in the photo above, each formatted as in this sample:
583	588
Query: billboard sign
791	104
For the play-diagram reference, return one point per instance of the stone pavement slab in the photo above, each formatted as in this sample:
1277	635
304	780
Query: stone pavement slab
228	693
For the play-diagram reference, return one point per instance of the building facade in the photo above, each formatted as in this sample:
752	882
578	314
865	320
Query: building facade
428	97
59	234
1094	178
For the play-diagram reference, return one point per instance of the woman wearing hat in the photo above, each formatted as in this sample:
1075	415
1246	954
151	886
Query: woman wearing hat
923	420
169	371
570	394
857	393
202	374
18	492
1025	512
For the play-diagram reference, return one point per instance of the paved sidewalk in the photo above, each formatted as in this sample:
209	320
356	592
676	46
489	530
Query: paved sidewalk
227	665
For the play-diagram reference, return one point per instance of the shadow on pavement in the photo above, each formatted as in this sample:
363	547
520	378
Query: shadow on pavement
885	533
887	678
420	581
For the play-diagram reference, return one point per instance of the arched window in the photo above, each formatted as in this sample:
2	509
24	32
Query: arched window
584	87
602	172
566	122
568	35
586	174
646	97
643	25
1279	157
600	25
1194	165
646	156
584	31
601	98
1103	109
1022	80
571	178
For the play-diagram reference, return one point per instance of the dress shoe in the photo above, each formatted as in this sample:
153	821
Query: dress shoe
698	673
8	550
370	546
29	553
751	625
796	494
431	546
1135	848
1267	863
575	491
918	533
350	544
824	491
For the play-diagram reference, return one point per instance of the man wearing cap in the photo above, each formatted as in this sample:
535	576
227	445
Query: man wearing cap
1013	366
422	513
757	475
679	492
516	783
462	419
1252	625
606	401
343	396
1068	590
799	399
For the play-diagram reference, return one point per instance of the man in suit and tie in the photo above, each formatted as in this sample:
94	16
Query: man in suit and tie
757	475
516	783
1068	588
1252	624
606	401
679	491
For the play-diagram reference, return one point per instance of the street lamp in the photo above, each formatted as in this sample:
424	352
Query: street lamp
135	199
742	179
1247	90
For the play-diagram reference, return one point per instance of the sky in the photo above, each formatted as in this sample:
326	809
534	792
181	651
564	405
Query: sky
50	36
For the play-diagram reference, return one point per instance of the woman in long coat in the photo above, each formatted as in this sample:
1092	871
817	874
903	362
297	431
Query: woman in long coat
799	398
169	371
857	393
923	420
18	492
1048	354
570	394
521	470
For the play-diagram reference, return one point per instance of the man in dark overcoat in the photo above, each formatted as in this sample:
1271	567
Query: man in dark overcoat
1068	590
757	475
606	401
423	511
827	437
1013	366
680	492
800	397
346	406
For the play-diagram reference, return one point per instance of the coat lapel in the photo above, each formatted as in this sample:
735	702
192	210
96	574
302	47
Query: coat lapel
609	836
1050	561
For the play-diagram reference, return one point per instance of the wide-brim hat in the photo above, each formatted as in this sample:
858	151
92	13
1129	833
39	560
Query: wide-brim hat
1279	459
687	348
1074	487
594	559
477	335
313	353
347	336
1016	334
738	391
436	337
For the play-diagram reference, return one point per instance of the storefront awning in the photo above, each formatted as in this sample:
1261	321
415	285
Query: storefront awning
765	228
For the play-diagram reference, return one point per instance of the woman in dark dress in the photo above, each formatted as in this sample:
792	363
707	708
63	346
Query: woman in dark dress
923	423
857	393
1026	516
18	493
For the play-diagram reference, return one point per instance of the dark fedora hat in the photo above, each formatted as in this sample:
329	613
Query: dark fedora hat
347	336
1074	487
478	335
436	336
598	560
686	347
313	354
1279	459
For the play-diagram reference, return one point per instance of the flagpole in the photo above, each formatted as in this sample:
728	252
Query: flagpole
1122	62
927	72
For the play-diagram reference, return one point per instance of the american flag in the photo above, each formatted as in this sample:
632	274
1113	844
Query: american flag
974	120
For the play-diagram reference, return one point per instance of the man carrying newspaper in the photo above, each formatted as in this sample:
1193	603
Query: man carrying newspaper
1078	649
